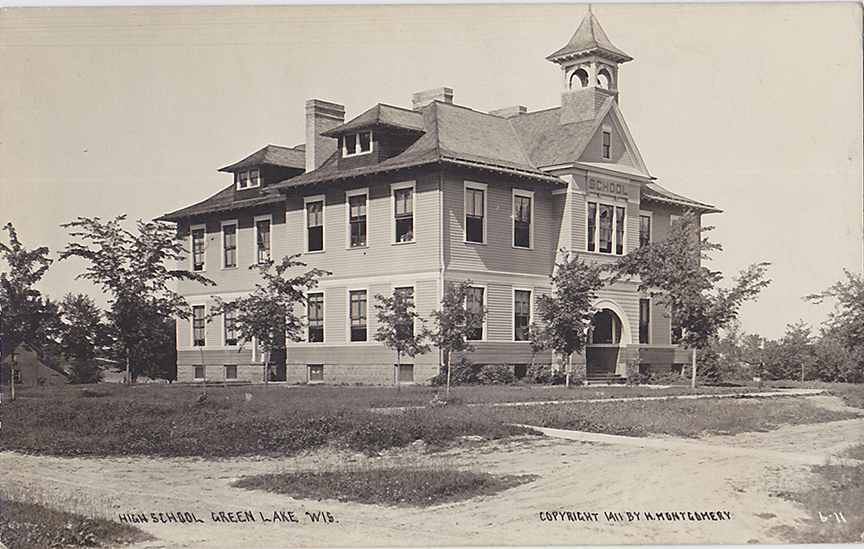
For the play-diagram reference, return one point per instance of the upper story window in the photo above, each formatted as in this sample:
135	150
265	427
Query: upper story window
229	245
358	315
521	314
606	228
356	143
248	179
475	213
474	305
644	230
357	219
198	244
230	327
315	315
315	224
262	240
522	210
607	144
403	213
199	333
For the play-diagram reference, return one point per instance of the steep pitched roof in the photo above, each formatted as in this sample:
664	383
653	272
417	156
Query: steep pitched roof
453	134
272	155
653	191
381	116
224	201
548	142
589	38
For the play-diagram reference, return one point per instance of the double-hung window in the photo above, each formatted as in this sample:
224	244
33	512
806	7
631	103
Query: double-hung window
607	144
522	210
606	228
230	319
644	320
198	243
474	307
229	245
357	219
644	230
262	240
315	224
403	213
199	332
521	314
358	315
475	213
315	315
405	330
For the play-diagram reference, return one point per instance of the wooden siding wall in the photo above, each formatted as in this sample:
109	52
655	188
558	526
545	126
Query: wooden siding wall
618	153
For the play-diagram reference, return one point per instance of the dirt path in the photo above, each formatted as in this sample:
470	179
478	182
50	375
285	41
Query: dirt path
589	474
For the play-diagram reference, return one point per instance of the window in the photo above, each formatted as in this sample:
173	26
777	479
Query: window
198	236
262	240
315	314
521	314
403	212
231	371
358	315
474	306
357	220
229	245
315	224
230	327
316	372
406	330
356	143
644	319
198	372
606	228
644	230
248	179
607	144
475	210
198	326
16	376
522	219
406	373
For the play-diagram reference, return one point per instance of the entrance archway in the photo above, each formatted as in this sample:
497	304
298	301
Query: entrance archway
608	334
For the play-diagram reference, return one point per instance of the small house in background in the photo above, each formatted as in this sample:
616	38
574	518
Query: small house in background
31	370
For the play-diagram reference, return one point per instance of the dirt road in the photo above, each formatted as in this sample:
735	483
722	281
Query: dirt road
712	490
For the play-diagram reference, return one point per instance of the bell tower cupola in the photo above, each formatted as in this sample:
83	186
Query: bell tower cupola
589	62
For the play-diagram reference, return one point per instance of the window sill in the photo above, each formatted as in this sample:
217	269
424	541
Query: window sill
515	247
353	155
314	252
402	242
231	268
474	243
363	247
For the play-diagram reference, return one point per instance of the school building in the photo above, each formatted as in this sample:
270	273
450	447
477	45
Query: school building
410	199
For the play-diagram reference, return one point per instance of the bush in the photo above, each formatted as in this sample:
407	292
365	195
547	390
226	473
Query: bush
496	374
462	372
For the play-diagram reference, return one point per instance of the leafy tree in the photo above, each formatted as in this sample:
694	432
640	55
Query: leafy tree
269	315
25	316
833	361
846	324
455	322
396	316
131	268
672	271
567	314
82	334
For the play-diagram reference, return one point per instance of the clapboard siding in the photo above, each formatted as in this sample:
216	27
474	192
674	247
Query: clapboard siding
618	153
661	324
514	352
498	252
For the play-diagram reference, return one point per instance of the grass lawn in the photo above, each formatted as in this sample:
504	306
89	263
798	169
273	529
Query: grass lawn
409	486
161	420
34	526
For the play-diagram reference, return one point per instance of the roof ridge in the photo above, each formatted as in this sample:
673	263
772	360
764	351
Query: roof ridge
519	142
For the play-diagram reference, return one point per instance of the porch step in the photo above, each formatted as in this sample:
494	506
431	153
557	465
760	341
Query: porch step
604	378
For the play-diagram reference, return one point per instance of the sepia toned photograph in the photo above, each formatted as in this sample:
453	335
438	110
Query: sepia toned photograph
431	275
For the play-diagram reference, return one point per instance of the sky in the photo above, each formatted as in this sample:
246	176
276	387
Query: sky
754	108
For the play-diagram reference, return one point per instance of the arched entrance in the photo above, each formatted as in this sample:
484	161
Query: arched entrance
606	337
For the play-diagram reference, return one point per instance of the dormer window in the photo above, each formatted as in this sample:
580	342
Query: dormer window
356	143
248	179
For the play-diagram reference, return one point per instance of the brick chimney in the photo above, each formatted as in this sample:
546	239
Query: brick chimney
320	117
583	104
421	99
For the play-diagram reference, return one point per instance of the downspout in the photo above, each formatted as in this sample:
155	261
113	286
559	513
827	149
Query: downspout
441	237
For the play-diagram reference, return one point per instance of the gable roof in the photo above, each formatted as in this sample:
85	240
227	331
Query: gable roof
381	116
224	201
452	134
272	155
654	192
589	38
